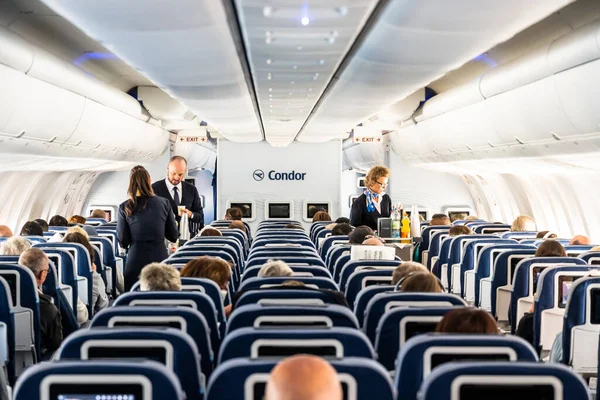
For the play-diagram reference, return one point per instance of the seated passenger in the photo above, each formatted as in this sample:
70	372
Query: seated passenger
5	231
237	225
77	229
210	231
303	377
549	248
421	282
159	277
275	268
31	228
523	223
342	229
77	219
406	268
50	320
458	217
595	248
14	246
330	226
233	214
460	230
372	241
293	226
97	213
471	218
213	268
58	220
546	235
42	223
359	234
99	296
342	220
579	240
468	320
321	216
439	219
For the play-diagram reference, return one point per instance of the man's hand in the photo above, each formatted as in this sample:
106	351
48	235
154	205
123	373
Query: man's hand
189	213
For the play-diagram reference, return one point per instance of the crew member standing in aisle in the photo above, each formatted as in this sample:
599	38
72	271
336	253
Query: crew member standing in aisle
373	203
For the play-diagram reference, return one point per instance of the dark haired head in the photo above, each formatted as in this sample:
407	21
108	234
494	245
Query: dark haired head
551	248
32	228
468	320
342	220
58	220
341	229
42	223
359	234
140	189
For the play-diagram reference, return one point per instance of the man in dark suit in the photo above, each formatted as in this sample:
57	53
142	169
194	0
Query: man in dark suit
180	193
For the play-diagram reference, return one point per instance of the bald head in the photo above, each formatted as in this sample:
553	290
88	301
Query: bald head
372	242
303	378
580	240
5	231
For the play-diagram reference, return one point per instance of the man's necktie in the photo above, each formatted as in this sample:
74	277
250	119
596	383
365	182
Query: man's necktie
176	196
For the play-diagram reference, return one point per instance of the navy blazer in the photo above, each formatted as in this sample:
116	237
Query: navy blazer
360	216
189	198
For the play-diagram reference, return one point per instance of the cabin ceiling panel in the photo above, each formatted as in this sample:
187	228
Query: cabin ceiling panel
413	44
294	48
186	49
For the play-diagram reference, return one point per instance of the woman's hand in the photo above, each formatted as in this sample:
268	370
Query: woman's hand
93	267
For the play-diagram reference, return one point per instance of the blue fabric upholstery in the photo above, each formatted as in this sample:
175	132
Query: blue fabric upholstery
328	242
191	321
438	385
351	266
245	342
230	379
521	282
52	288
363	298
255	283
290	316
389	333
426	235
185	354
436	268
317	271
7	317
491	228
591	257
456	251
108	257
363	278
435	245
195	300
286	296
164	383
411	363
382	303
334	253
260	261
518	235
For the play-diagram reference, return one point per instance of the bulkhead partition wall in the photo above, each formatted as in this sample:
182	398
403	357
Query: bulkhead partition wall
254	175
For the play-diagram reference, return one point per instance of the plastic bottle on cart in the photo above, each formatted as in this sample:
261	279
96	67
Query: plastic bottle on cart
405	230
396	222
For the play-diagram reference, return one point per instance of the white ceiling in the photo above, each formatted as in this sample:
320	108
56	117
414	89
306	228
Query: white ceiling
189	49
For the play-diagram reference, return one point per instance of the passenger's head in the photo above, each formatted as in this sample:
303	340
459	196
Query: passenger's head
140	188
233	214
341	229
377	179
293	284
342	220
214	268
303	377
37	261
460	230
523	223
546	235
31	228
159	277
5	231
595	248
458	217
77	219
14	246
321	216
421	282
580	240
406	268
209	231
237	225
439	219
176	170
359	234
275	268
42	223
77	229
471	218
372	241
78	237
98	213
551	248
468	320
58	220
293	226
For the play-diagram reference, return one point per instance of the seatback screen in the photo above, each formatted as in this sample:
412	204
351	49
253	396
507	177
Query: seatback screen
11	279
313	208
286	351
279	210
512	268
81	391
595	306
535	273
376	282
148	324
415	328
139	353
503	392
564	288
439	359
245	207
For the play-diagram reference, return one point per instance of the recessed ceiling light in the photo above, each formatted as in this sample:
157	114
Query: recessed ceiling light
321	61
267	11
295	67
343	11
269	61
269	76
268	40
305	20
290	93
299	47
310	89
292	82
270	89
